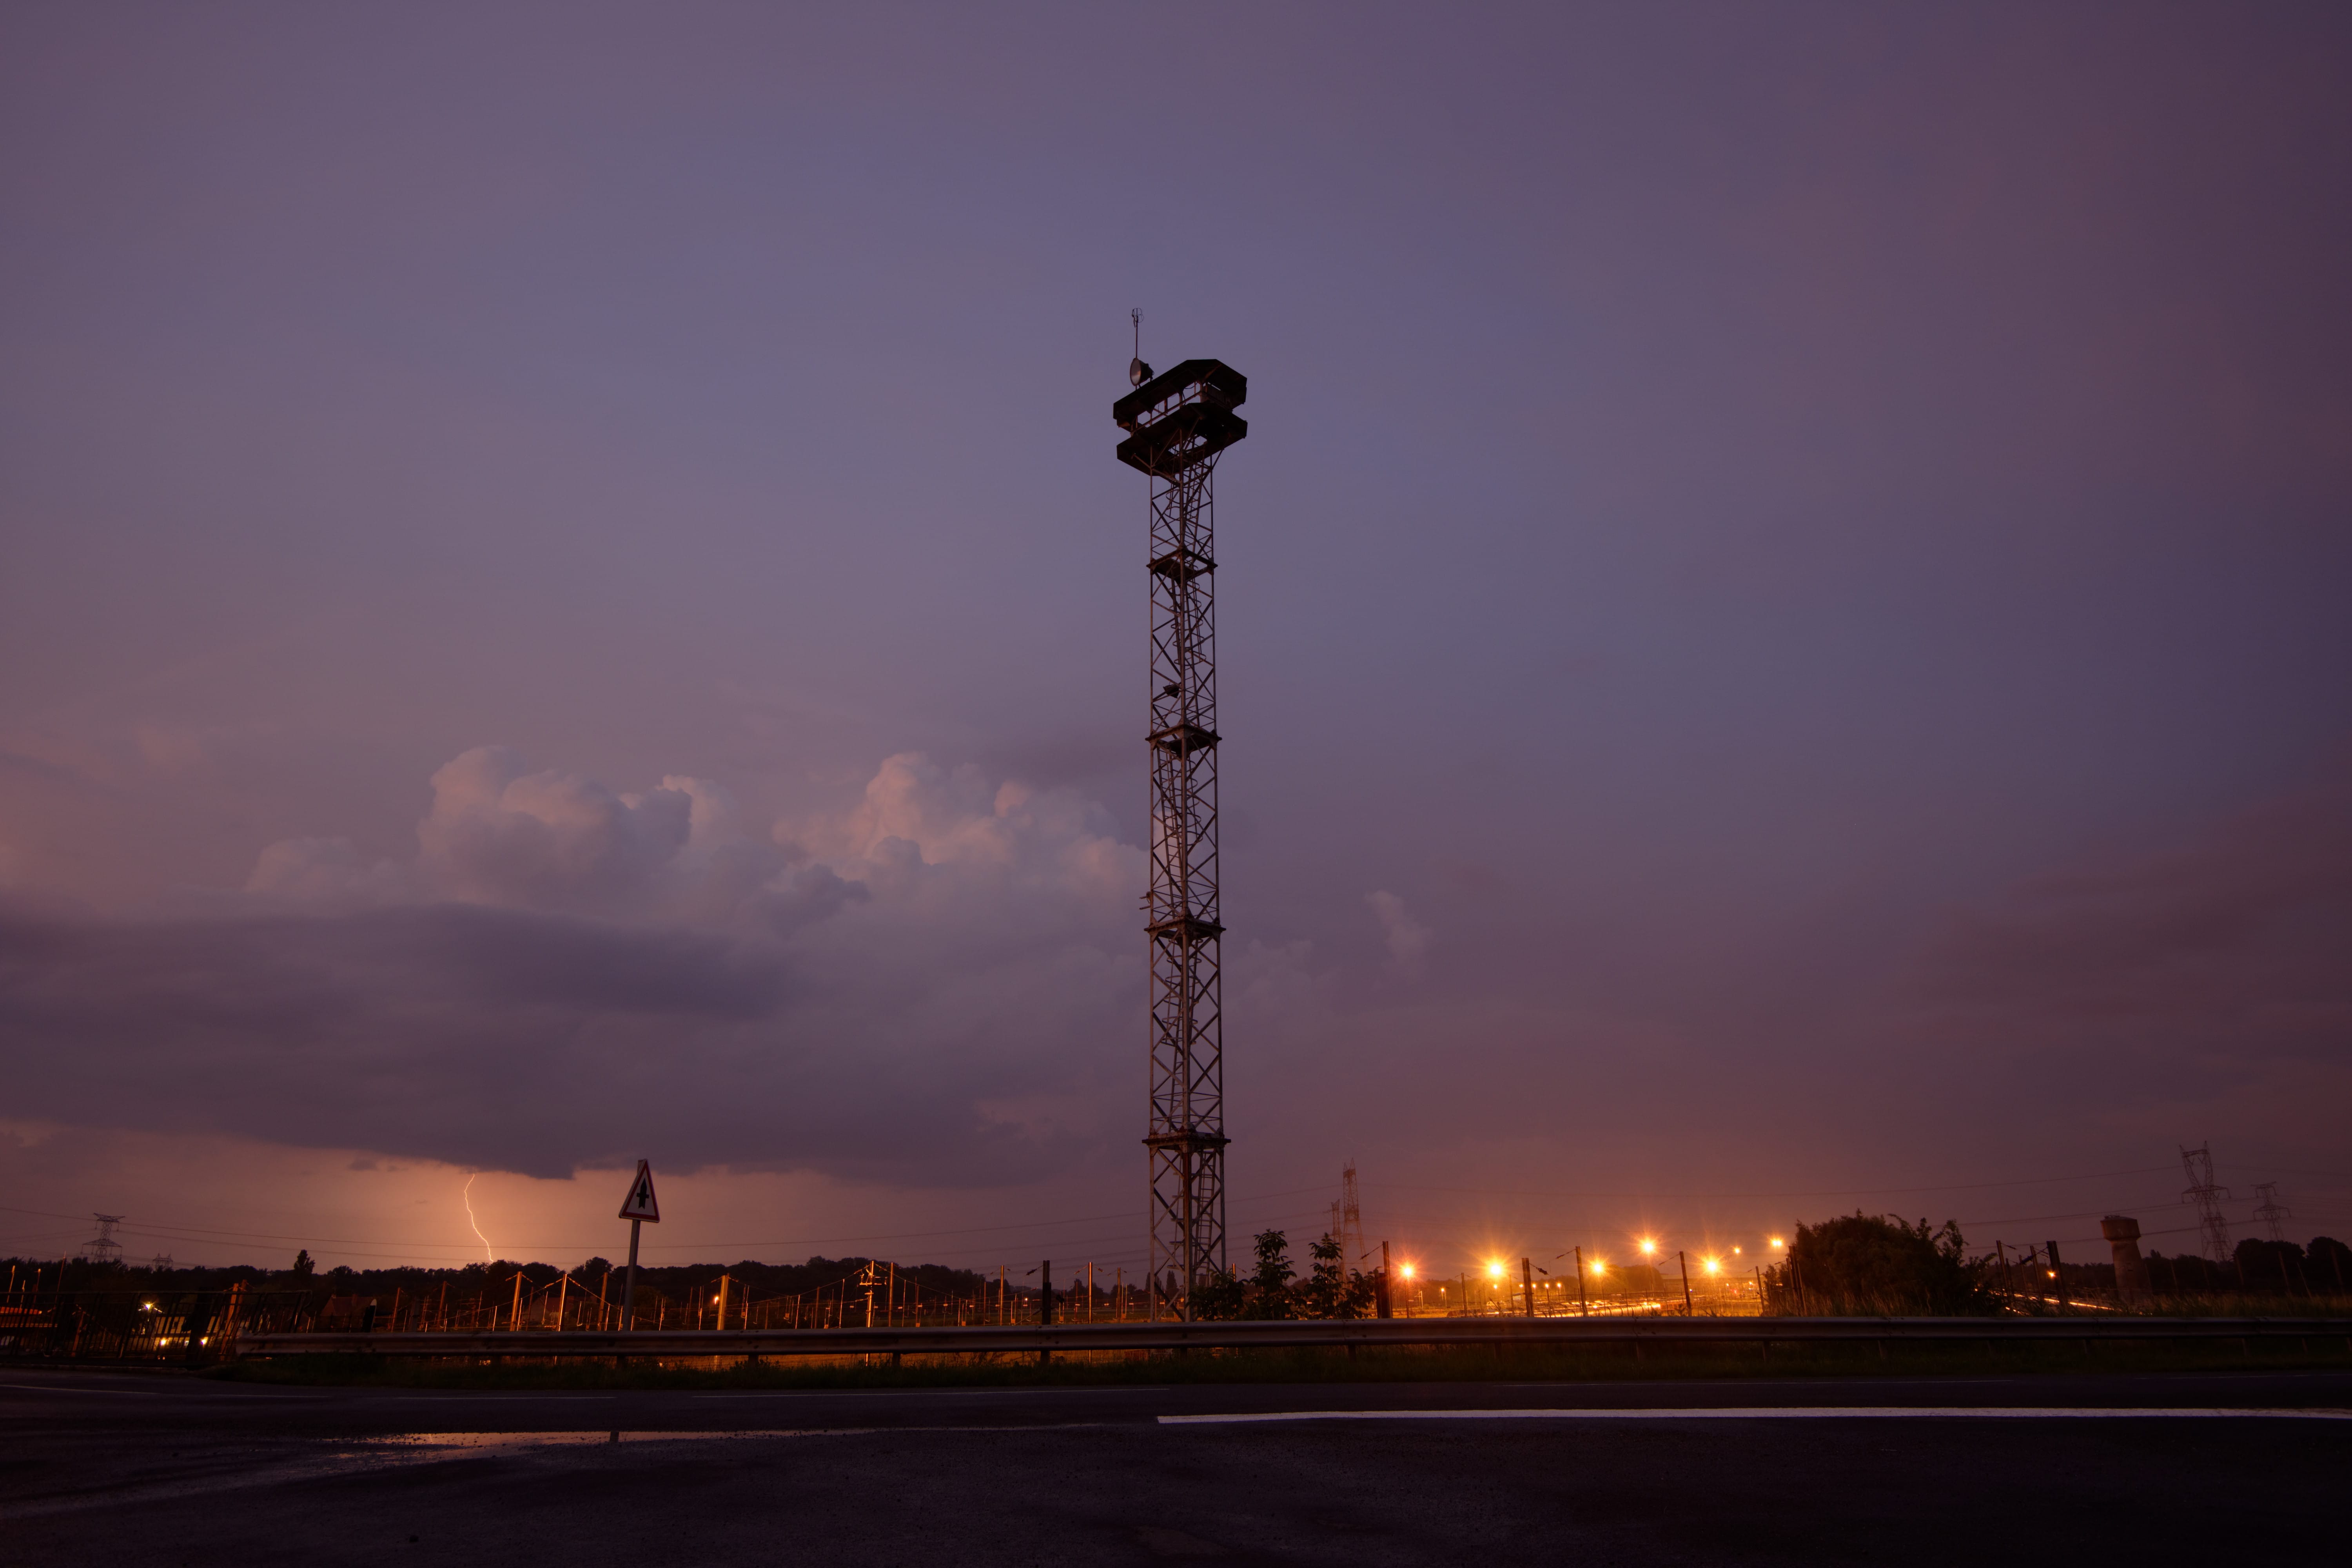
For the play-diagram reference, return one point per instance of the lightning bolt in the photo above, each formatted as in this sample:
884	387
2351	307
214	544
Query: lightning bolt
468	1195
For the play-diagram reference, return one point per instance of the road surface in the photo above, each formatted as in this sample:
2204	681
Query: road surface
2239	1468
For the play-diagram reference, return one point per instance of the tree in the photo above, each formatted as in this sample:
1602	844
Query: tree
1221	1298
1877	1263
1269	1287
303	1267
1331	1290
2266	1264
2331	1262
1320	1295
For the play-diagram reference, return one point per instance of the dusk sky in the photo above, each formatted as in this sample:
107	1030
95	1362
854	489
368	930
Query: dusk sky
1785	620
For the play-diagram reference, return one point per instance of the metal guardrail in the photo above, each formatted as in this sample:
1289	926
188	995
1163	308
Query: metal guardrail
1496	1333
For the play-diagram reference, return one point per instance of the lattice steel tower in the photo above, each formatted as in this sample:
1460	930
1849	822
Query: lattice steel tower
1176	424
2206	1194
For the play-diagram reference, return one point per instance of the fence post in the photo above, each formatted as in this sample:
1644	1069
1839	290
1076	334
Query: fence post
1045	1304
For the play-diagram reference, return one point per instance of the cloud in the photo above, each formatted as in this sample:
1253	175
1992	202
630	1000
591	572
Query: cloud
2205	985
1408	939
564	974
2239	938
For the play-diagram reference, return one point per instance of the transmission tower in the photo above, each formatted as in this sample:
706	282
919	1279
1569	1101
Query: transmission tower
1177	423
2198	1164
102	1248
2270	1211
1351	1217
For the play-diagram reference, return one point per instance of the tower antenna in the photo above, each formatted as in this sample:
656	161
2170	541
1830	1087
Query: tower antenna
1177	425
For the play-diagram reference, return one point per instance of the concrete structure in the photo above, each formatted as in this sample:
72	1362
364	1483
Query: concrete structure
2122	1232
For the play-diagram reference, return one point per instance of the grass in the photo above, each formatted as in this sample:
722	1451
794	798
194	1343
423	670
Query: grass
1443	1365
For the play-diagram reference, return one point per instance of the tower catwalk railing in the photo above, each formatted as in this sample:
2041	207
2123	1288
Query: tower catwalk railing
1178	424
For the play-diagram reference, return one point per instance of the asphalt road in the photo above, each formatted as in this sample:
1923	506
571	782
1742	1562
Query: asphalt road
98	1467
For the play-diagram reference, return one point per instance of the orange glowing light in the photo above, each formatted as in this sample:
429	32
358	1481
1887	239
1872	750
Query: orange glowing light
1714	1264
1648	1246
1778	1242
1406	1271
1494	1270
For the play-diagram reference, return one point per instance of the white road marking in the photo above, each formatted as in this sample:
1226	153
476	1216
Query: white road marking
914	1392
69	1388
1789	1412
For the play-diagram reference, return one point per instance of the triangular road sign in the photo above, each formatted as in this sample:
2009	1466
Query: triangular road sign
639	1204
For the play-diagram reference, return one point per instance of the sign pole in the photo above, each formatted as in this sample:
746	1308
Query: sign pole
629	1291
636	1208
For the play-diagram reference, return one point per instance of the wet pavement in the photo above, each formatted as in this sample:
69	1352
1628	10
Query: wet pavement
2147	1469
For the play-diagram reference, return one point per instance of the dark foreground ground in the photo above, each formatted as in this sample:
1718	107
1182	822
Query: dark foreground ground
160	1470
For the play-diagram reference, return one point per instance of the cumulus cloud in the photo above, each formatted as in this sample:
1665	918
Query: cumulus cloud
1408	939
564	974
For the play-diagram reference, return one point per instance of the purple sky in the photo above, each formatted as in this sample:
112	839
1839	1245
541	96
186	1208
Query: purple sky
565	595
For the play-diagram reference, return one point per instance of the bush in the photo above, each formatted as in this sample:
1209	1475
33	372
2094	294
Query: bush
1274	1291
1877	1264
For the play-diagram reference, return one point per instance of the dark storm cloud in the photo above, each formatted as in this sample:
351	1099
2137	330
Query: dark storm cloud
2167	993
2243	938
882	1026
320	973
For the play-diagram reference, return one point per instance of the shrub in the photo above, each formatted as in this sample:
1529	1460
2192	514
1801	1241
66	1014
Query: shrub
1877	1264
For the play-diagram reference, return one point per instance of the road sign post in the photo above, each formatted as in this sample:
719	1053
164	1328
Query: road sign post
636	1208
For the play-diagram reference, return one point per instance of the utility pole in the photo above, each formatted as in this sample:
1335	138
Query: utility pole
1528	1282
1176	424
1683	1263
1583	1303
1385	1306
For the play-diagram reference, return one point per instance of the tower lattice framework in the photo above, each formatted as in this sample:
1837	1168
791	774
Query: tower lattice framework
2206	1194
1178	422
